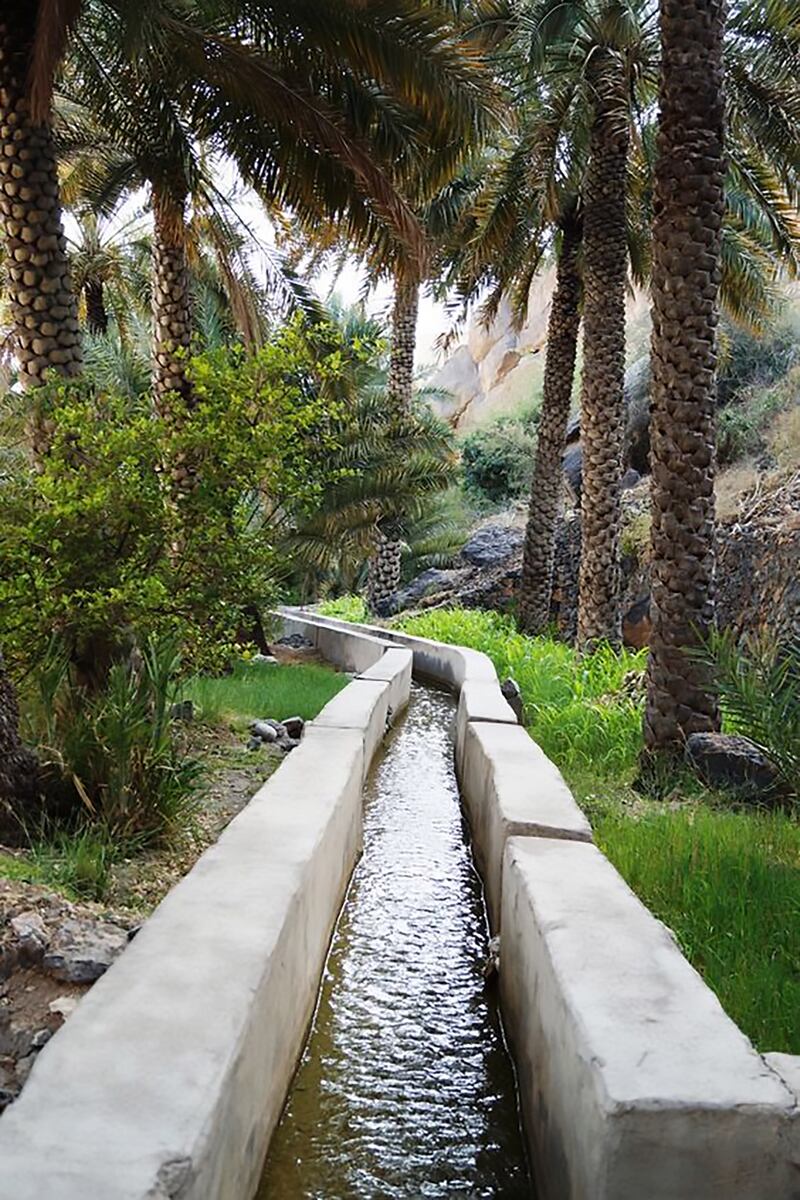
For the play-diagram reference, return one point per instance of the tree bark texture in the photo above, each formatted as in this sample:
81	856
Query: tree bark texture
96	315
41	298
689	206
172	324
559	372
385	564
18	769
602	398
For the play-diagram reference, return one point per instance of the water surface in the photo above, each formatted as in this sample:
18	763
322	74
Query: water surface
405	1089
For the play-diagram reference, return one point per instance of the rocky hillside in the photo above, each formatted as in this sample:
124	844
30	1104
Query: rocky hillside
496	370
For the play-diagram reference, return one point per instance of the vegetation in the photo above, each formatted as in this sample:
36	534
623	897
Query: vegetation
727	883
253	690
497	459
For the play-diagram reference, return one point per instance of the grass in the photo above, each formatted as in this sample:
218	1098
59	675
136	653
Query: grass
254	690
728	885
726	882
77	864
346	608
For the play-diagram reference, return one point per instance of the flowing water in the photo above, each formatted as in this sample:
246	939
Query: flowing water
405	1089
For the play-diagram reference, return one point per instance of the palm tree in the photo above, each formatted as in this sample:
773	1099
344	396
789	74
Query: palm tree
42	300
559	369
687	238
537	173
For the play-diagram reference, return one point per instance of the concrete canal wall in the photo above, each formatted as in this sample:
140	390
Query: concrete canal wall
634	1083
168	1080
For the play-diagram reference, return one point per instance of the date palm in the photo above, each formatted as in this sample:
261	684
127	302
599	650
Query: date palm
524	190
687	236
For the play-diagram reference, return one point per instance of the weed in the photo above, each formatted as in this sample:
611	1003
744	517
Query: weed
346	608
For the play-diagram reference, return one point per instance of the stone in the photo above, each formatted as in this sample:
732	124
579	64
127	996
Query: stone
512	693
255	743
492	544
80	952
41	1038
30	930
572	466
182	711
265	731
728	760
263	658
430	581
294	726
637	625
64	1006
295	640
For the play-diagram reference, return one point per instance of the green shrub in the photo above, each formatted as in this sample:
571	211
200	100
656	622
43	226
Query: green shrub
112	759
97	546
742	426
758	684
498	460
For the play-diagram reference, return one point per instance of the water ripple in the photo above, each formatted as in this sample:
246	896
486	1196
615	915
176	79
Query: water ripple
405	1090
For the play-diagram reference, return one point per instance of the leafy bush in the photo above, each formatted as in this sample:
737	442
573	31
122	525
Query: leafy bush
498	460
748	360
112	758
742	426
96	548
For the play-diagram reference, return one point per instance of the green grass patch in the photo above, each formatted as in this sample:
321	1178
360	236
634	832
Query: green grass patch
583	712
728	885
254	690
78	864
726	882
346	608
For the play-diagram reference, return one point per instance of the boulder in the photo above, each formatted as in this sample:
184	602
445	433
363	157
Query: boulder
729	761
637	626
458	383
82	951
492	544
501	359
432	580
265	731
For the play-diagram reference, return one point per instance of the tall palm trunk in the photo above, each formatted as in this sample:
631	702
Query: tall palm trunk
43	305
602	399
42	302
385	564
172	325
689	203
559	372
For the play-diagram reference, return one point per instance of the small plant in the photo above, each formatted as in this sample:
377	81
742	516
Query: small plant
758	685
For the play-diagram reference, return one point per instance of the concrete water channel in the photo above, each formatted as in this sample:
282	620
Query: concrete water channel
405	1089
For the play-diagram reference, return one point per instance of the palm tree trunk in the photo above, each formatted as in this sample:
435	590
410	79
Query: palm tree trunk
385	564
559	372
689	203
96	315
172	325
18	767
602	399
42	302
